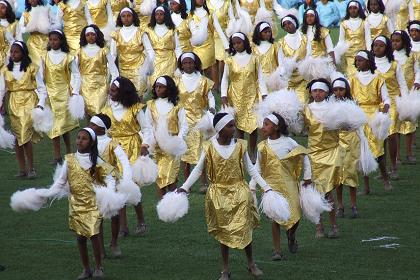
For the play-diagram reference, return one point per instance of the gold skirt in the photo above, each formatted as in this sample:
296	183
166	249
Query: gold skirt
350	142
94	89
407	127
194	143
133	76
168	168
206	53
63	122
37	44
396	123
290	191
375	145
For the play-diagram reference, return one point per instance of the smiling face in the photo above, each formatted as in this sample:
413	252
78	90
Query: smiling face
16	53
318	95
379	48
238	44
83	142
54	41
127	18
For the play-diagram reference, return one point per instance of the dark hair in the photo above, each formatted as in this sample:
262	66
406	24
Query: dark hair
412	22
405	39
388	48
183	9
347	94
217	118
256	36
127	93
321	80
282	125
64	45
292	17
380	3
26	60
100	41
136	20
371	58
197	63
248	48
93	153
10	14
171	89
193	7
361	12
312	5
52	3
105	119
318	26
167	16
165	4
28	6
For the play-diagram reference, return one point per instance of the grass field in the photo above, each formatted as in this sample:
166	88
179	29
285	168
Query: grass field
40	246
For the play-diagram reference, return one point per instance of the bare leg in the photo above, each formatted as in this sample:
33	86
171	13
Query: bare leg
352	197
382	168
56	147
225	257
66	138
339	191
29	154
139	213
171	187
330	197
96	246
275	230
215	75
398	147
187	170
101	239
161	192
409	142
123	219
366	182
240	134
20	156
115	226
253	137
393	149
81	242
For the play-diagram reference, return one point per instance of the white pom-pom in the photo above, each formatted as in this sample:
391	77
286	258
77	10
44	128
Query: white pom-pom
146	7
172	207
275	206
39	20
380	124
109	202
170	144
131	190
408	106
244	22
28	200
340	49
392	7
263	15
76	107
42	119
145	171
282	12
313	203
315	67
277	80
367	161
205	125
7	139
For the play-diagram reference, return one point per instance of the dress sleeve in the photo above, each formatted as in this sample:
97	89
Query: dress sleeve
254	173
112	67
211	101
195	173
225	81
3	89
122	157
401	81
41	90
182	123
261	81
146	128
307	171
385	95
368	38
75	77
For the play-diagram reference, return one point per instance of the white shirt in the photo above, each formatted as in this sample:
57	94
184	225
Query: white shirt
92	49
353	24
400	56
415	46
176	18
383	65
375	19
192	81
365	77
310	33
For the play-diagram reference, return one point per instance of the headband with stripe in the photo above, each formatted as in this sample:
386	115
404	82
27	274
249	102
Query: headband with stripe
160	8
179	2
3	2
128	10
91	132
363	55
310	12
320	85
264	25
96	120
58	31
116	83
354	4
223	122
238	35
19	43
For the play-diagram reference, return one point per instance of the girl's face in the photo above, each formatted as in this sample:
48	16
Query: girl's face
339	92
127	18
228	131
238	44
415	34
354	12
266	34
379	48
397	42
161	90
54	41
33	3
175	7
160	17
188	65
310	19
91	38
374	6
318	95
199	3
3	11
98	130
289	27
16	53
361	63
269	128
83	141
113	92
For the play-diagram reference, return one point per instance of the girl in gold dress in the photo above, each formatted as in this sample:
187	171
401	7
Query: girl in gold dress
179	15
94	60
242	84
379	24
62	80
24	82
101	15
231	215
165	107
8	26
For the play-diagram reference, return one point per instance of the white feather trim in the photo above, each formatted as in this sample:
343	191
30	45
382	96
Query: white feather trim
340	49
392	7
205	125
315	67
275	206
408	106
367	162
7	139
146	7
28	200
42	119
172	207
313	203
170	144
380	124
199	34
39	21
109	202
282	12
76	107
230	29
277	80
145	171
263	15
131	190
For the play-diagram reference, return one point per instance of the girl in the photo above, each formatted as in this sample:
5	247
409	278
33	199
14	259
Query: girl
280	161
406	59
165	43
94	61
132	48
125	110
8	26
164	106
379	23
307	4
328	13
355	30
101	15
414	30
73	15
369	90
62	79
195	95
228	197
242	83
396	85
24	82
179	16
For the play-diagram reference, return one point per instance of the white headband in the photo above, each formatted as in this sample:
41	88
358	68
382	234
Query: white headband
126	10
380	38
273	119
264	25
321	86
223	122
187	55
160	8
415	26
91	132
96	120
161	80
18	43
58	31
363	54
3	2
238	35
116	83
289	19
179	2
354	4
310	12
339	84
398	31
89	30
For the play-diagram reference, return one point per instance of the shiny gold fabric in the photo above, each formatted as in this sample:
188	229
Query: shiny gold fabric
98	13
36	42
268	61
250	6
416	8
94	84
243	92
184	35
84	217
74	22
381	29
168	165
369	99
231	215
22	99
408	127
318	47
325	154
402	16
194	104
350	143
283	176
296	82
4	44
117	6
205	51
57	80
108	156
126	130
223	17
356	39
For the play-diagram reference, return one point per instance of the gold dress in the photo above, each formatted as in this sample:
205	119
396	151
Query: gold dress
243	92
350	143
184	35
131	56
325	154
117	6
194	103
269	60
22	99
37	42
57	80
319	48
230	211
168	165
402	16
126	130
108	156
4	44
381	29
357	42
94	84
296	82
74	20
369	99
251	6
223	17
98	13
144	19
408	127
283	176
416	8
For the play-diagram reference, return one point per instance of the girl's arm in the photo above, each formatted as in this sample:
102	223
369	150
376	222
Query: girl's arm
401	80
41	90
252	171
109	13
125	163
211	101
75	79
148	47
113	50
225	84
20	29
178	50
148	120
59	18
3	89
390	25
195	173
111	66
385	98
87	15
368	38
261	82
330	47
342	34
307	171
146	127
411	10
182	123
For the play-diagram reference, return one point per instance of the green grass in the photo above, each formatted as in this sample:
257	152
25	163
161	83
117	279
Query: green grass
40	246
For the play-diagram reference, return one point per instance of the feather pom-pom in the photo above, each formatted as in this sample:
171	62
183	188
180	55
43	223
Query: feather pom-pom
39	20
340	49
392	7
146	7
76	107
145	171
263	15
275	206
109	202
408	106
315	67
42	119
380	124
172	207
7	139
205	125
367	161
28	200
170	144
313	203
131	190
